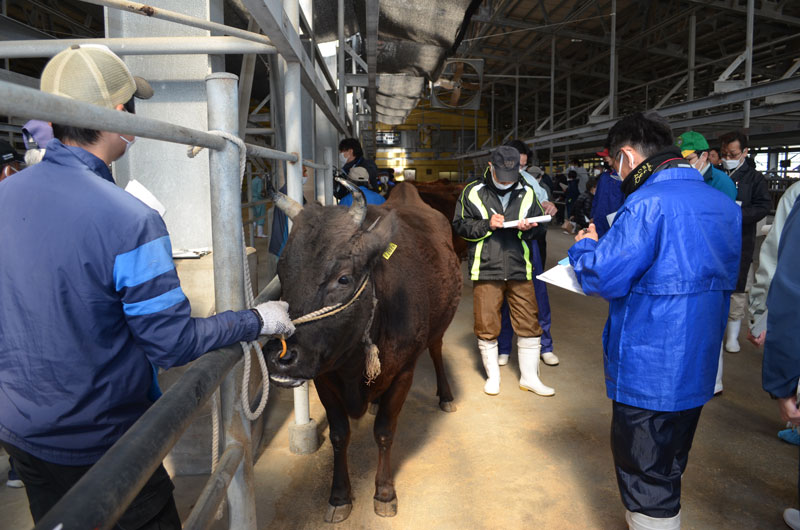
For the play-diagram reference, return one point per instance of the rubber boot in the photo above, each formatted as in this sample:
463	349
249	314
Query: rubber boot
502	359
488	349
260	231
732	336
792	518
640	521
529	349
718	384
550	359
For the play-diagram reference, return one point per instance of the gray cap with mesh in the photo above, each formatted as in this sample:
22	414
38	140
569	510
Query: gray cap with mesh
94	74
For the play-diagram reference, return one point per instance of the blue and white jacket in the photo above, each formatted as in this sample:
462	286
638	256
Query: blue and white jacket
90	302
667	267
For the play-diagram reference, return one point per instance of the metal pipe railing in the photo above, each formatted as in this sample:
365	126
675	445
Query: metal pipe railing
105	491
173	16
229	284
205	509
35	104
16	49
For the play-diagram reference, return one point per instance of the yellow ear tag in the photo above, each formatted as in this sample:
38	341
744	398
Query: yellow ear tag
389	251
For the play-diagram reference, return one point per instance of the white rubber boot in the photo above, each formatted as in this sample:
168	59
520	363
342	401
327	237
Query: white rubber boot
260	231
529	349
732	336
718	385
502	359
488	349
549	358
792	518
640	521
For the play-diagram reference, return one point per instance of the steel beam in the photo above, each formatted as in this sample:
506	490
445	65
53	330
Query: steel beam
691	54
612	68
373	15
273	21
340	73
729	6
138	46
748	65
11	29
672	91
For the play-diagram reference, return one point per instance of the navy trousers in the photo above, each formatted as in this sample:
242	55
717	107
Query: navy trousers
542	300
651	450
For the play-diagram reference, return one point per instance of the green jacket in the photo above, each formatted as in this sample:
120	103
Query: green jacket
502	254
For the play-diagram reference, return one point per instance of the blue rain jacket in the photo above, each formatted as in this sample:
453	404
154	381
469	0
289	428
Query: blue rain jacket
667	267
89	303
607	199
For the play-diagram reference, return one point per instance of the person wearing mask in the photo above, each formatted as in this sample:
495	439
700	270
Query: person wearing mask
499	264
752	194
80	346
781	366
352	155
570	196
10	160
504	339
694	148
608	198
581	174
666	315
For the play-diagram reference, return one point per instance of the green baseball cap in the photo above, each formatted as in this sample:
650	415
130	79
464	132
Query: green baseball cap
691	141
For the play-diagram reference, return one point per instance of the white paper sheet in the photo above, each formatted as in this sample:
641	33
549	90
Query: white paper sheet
562	276
610	217
540	219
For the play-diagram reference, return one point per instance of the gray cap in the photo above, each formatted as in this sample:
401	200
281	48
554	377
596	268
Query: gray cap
505	161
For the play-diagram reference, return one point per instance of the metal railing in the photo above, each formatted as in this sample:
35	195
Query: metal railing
106	490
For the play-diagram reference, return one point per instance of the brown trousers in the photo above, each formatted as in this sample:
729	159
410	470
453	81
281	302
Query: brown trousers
487	299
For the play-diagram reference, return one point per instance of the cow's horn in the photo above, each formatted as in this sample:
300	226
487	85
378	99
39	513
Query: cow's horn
359	208
284	203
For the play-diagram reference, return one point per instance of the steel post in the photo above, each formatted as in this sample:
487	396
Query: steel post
552	82
612	69
340	73
327	157
294	188
515	128
246	84
692	47
748	65
491	129
229	288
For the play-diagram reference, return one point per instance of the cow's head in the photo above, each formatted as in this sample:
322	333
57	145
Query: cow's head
330	251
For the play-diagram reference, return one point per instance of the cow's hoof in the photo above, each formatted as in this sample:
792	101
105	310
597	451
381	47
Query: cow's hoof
373	408
386	509
337	514
447	406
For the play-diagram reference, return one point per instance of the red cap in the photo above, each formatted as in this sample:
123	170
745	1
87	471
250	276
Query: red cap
604	152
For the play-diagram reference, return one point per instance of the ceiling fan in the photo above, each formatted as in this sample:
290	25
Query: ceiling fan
459	85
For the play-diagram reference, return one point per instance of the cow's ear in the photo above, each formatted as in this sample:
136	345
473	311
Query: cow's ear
377	236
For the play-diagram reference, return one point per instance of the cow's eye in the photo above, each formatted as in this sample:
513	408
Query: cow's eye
344	280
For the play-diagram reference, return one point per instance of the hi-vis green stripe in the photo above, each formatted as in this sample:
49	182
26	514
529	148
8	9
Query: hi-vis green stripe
476	263
527	202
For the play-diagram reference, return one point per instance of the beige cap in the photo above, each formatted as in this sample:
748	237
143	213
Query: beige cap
94	74
359	175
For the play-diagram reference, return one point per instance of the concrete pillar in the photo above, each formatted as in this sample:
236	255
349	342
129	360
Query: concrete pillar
179	182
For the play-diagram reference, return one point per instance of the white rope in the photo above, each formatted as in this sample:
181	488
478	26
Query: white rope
246	346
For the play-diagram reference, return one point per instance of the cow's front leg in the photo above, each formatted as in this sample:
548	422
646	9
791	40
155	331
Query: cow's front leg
385	425
340	503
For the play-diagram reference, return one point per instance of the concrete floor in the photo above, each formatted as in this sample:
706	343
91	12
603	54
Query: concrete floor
518	460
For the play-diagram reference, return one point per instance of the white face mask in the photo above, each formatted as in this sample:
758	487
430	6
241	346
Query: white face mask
342	158
128	143
502	186
730	165
702	169
621	156
305	179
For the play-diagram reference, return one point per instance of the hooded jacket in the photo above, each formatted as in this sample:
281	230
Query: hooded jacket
667	267
89	303
753	193
501	254
607	200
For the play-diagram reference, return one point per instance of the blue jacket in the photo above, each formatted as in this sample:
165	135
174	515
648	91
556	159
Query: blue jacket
370	196
607	199
667	267
720	180
781	368
89	303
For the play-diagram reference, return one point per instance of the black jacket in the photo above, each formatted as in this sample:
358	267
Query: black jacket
753	192
369	165
582	209
501	254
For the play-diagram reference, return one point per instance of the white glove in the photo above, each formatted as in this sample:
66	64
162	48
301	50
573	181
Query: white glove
274	317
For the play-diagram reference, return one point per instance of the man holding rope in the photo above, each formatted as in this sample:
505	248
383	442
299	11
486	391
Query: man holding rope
90	302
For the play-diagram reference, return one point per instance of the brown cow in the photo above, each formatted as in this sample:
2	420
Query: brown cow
382	276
